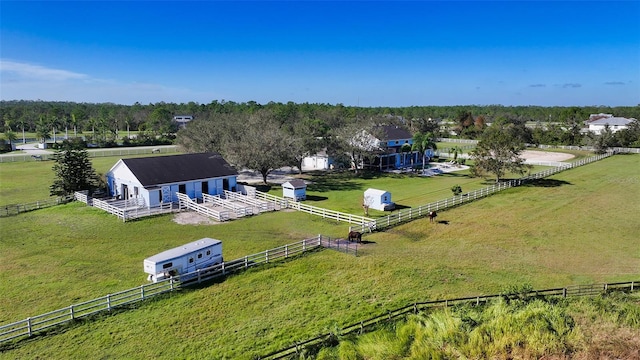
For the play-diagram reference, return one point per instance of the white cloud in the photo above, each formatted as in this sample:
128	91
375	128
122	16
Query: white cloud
24	81
37	72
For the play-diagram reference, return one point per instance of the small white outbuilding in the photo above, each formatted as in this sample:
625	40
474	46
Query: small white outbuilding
295	189
378	199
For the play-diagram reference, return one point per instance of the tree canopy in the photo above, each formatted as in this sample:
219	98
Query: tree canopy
73	171
498	151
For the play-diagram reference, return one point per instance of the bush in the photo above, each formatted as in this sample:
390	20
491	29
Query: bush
456	190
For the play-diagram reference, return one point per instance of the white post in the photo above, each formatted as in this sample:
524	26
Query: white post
71	312
109	302
29	331
142	291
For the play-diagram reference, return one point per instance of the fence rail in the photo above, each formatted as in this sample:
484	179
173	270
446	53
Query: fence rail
163	149
423	210
36	324
390	315
14	209
187	202
314	210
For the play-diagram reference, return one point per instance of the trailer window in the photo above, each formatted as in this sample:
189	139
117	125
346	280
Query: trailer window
190	260
167	265
208	252
200	256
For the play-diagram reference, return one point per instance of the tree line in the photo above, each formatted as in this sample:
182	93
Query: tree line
109	118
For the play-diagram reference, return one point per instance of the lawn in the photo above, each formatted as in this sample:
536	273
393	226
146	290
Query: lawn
29	181
578	227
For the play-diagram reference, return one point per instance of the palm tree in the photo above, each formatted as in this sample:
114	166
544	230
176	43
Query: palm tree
423	142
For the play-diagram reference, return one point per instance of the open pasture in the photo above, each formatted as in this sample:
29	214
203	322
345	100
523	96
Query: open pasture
25	182
577	227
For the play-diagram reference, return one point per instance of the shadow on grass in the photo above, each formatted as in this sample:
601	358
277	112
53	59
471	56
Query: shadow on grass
547	183
316	198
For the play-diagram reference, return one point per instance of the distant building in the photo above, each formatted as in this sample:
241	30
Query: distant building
615	124
182	120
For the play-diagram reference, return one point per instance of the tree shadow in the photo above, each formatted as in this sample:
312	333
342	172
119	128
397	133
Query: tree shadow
547	183
315	198
400	207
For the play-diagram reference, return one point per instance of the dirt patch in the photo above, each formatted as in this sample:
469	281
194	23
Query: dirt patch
193	218
545	155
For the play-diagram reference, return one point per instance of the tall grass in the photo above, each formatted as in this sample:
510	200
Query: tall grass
530	329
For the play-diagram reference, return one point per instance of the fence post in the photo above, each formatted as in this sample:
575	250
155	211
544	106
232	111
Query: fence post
29	330
286	251
71	312
142	291
266	256
223	269
564	292
109	302
171	283
246	262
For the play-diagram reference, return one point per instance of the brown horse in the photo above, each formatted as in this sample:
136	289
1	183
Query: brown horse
355	236
432	216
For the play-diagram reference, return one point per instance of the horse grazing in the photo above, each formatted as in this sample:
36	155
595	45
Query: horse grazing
432	216
355	236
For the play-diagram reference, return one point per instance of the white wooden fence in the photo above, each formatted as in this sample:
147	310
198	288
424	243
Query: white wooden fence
314	210
129	209
216	200
36	324
188	203
423	210
262	205
163	149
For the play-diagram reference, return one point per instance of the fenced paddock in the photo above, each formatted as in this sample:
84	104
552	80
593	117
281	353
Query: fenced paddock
187	203
40	323
414	308
406	215
129	209
314	210
15	209
170	149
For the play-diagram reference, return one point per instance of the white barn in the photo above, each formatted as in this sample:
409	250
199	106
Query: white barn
295	189
378	199
156	180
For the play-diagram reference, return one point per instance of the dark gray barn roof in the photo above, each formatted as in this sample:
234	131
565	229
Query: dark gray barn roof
392	132
179	168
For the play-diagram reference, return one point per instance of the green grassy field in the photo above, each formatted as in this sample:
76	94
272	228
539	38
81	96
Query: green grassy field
25	182
578	227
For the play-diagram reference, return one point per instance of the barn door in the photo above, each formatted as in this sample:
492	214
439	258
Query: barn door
166	194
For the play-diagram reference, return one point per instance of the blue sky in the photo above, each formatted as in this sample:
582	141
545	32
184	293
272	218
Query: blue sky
355	53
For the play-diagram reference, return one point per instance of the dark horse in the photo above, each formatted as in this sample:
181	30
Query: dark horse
432	215
355	236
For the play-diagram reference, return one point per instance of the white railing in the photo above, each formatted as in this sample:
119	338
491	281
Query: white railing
32	325
423	210
103	205
218	201
82	196
188	203
314	210
261	205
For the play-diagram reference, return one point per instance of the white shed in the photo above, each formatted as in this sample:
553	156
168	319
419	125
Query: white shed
378	199
295	189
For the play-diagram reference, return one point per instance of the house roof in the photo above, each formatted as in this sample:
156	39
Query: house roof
296	184
393	132
612	121
178	168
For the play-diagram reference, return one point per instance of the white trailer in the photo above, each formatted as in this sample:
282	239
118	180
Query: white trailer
184	259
